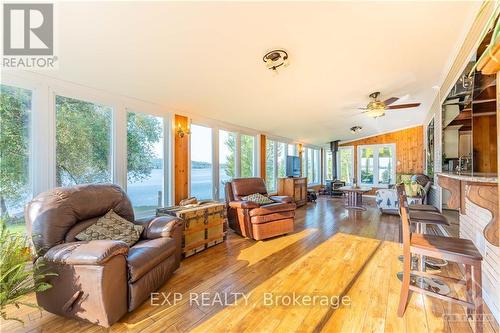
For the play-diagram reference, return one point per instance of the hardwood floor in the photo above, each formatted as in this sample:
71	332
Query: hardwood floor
334	254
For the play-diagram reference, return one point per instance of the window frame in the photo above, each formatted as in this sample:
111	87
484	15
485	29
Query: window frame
376	148
166	200
216	127
43	135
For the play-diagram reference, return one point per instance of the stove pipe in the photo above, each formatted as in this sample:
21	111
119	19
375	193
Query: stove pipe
334	147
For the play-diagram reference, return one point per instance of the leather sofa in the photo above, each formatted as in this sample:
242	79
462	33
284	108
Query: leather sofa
249	219
98	281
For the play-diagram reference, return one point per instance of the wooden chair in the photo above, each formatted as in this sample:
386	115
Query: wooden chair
461	251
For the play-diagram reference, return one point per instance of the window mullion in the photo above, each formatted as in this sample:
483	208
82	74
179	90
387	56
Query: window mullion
275	161
215	164
237	163
119	146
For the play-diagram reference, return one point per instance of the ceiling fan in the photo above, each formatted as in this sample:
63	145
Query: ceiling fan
376	108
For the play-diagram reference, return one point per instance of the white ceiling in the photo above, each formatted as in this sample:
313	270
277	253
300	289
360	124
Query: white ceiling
205	58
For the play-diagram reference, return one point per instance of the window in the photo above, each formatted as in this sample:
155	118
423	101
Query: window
282	151
316	166
201	162
227	159
385	165
328	165
366	165
271	163
345	164
247	155
377	164
145	163
311	165
83	142
292	150
15	142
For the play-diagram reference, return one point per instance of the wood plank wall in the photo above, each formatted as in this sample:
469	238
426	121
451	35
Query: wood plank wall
263	156
409	148
181	153
484	141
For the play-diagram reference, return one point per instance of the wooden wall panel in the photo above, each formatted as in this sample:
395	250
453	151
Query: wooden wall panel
181	153
484	131
409	148
263	156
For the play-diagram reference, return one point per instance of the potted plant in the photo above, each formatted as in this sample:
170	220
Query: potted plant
18	275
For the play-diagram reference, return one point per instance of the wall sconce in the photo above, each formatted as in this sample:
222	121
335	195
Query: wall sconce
300	148
181	132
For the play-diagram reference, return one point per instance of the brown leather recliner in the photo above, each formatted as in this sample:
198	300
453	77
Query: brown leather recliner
252	220
98	281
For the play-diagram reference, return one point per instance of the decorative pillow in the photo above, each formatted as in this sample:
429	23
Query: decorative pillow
112	226
258	198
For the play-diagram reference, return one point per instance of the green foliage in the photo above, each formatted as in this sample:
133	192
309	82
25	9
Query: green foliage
247	149
270	180
18	277
83	140
246	155
143	132
15	106
229	166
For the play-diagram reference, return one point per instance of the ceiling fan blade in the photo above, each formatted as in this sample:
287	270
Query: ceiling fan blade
403	106
391	100
363	109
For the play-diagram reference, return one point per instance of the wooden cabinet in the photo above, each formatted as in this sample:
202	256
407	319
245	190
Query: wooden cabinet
295	188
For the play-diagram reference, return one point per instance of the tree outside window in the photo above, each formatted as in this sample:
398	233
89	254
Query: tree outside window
15	180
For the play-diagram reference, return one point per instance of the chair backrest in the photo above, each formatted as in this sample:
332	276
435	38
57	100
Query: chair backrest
405	221
241	187
53	215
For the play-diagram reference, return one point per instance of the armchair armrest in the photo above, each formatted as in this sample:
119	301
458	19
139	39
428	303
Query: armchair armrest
281	198
161	226
243	204
96	252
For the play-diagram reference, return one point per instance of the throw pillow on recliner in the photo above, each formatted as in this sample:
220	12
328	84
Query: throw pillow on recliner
112	226
258	198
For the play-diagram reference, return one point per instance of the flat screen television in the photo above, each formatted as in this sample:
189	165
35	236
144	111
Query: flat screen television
292	166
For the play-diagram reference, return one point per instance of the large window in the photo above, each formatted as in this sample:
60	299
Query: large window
227	159
376	164
385	165
317	166
311	165
276	158
83	142
271	181
328	165
281	155
345	164
201	162
247	155
145	163
15	142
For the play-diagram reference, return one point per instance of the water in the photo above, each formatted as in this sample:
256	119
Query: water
144	194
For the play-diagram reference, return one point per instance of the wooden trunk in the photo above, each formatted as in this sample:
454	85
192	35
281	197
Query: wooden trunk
205	226
295	188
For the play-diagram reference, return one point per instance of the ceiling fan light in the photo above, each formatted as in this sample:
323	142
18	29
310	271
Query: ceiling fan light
375	113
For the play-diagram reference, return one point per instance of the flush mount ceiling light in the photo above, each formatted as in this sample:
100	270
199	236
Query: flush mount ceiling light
275	58
355	129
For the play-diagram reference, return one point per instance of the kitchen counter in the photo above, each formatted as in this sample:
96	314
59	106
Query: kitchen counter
475	195
470	176
480	189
